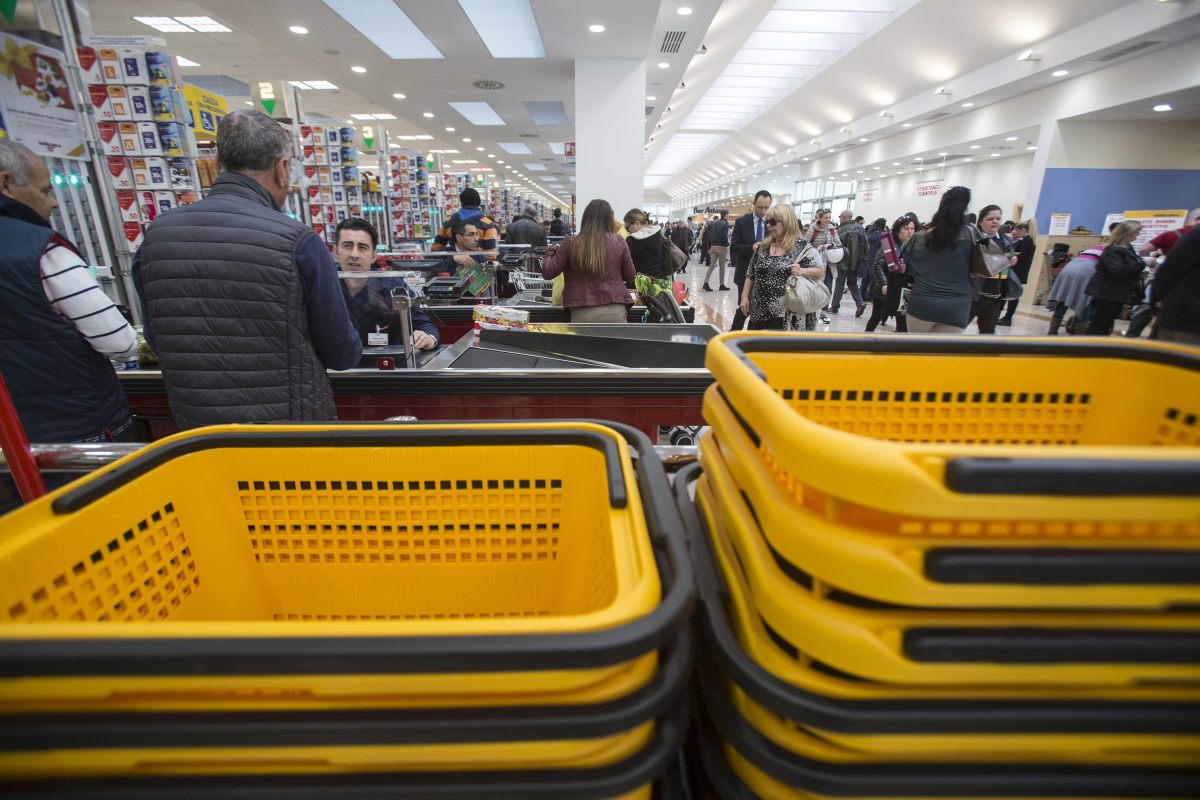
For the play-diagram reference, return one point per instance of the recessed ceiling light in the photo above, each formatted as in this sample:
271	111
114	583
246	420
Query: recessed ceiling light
968	159
906	125
895	163
1059	73
465	139
831	150
300	29
596	28
651	98
428	115
1031	147
993	155
976	146
399	95
1010	138
449	130
480	148
498	162
493	155
875	167
358	69
663	65
859	172
683	10
863	139
1163	107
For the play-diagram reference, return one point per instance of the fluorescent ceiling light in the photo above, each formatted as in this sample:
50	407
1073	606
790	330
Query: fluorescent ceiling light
203	24
1164	107
325	85
556	148
385	116
1010	138
535	167
164	24
515	148
477	113
424	137
546	112
387	27
507	27
362	116
185	62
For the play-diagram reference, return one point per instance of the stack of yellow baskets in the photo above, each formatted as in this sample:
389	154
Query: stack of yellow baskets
476	610
938	566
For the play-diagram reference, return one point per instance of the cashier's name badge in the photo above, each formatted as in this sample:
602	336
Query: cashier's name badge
377	339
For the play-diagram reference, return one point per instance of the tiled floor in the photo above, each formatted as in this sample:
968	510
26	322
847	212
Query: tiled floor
718	308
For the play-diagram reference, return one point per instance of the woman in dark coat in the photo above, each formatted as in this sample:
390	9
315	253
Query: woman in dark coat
1118	279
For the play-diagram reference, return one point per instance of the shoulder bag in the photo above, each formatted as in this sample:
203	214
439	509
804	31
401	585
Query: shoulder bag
673	257
986	262
805	295
834	253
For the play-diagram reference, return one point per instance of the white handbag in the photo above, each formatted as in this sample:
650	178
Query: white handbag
805	295
834	254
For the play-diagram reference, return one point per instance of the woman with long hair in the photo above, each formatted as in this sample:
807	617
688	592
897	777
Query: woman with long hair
888	274
783	253
645	242
1118	278
939	266
865	277
823	236
596	268
990	295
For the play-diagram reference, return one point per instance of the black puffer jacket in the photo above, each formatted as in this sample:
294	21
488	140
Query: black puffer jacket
1177	286
1118	275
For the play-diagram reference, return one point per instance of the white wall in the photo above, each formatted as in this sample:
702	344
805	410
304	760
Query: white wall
609	119
1002	181
1160	144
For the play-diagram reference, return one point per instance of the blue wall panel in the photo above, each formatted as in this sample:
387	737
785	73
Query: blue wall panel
1089	195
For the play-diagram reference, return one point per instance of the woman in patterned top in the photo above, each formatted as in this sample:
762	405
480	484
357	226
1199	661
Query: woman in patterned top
784	252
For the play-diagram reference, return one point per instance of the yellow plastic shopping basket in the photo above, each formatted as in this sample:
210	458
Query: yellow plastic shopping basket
888	719
954	568
361	565
901	645
1013	439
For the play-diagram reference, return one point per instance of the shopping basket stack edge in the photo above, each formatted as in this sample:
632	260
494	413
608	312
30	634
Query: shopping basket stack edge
472	607
985	608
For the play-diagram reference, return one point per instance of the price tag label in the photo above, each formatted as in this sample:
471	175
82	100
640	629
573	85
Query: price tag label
377	339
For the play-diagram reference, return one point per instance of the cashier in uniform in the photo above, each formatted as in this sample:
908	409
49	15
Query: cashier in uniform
369	300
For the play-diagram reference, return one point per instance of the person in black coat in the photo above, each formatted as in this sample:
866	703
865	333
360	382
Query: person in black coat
1118	279
1176	292
748	229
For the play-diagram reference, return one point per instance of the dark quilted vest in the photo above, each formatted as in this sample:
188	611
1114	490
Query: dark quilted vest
226	304
64	390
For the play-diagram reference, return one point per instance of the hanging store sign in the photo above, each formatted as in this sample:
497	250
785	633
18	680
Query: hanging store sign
929	188
568	154
207	109
867	196
35	100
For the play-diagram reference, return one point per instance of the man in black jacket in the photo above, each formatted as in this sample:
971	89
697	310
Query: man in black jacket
526	229
749	229
557	226
1176	292
681	235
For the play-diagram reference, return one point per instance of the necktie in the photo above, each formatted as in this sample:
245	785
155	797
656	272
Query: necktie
758	236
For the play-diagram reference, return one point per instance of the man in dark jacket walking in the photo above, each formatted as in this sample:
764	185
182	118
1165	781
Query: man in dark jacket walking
1176	292
526	229
557	226
241	302
854	239
681	235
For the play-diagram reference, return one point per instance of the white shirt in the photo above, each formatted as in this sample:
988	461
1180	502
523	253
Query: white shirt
78	298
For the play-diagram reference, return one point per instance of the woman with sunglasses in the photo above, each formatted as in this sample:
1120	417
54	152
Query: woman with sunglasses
783	253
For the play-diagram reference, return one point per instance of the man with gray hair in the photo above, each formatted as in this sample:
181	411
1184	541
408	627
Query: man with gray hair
526	229
58	329
241	302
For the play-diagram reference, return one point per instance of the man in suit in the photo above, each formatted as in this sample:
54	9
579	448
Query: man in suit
749	229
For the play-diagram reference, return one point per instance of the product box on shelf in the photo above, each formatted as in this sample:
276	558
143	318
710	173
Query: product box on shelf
318	228
122	174
134	234
324	176
110	65
131	141
101	103
139	103
337	194
160	68
308	155
118	97
110	139
148	135
321	155
170	136
147	207
185	198
315	213
326	195
340	213
306	135
336	176
89	63
161	106
181	176
127	205
150	173
133	66
335	157
165	201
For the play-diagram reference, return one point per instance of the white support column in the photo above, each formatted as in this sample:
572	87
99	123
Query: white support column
1048	142
609	132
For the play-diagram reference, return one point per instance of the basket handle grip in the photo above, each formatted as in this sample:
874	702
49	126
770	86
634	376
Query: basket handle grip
1062	477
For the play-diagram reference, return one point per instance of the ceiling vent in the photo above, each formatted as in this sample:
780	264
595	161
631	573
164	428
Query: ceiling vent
1121	52
649	110
672	41
527	135
933	116
488	85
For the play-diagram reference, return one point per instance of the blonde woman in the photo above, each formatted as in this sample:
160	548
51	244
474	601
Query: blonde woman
596	268
784	252
1118	278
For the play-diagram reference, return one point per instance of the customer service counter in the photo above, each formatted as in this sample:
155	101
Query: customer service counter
639	374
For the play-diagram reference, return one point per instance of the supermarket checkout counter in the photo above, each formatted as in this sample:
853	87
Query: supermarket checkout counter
623	373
